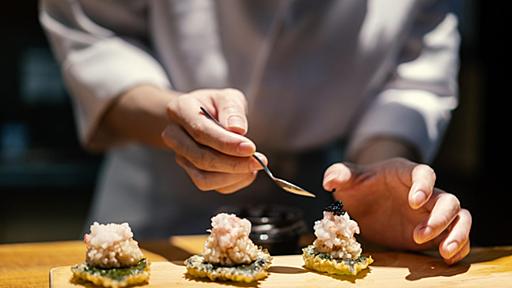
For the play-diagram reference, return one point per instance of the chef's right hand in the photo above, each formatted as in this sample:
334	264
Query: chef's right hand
215	158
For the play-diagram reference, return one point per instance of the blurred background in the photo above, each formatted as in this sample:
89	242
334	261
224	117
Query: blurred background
47	179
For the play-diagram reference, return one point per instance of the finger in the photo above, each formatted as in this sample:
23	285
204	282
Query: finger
338	176
205	158
460	255
206	181
239	185
458	236
186	111
231	110
445	207
423	180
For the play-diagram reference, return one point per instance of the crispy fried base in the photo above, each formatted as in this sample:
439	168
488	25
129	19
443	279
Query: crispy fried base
197	267
114	277
322	262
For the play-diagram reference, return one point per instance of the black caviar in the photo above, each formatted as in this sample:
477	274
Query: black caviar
336	208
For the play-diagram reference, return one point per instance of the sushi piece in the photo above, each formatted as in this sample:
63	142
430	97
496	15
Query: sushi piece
113	258
335	250
229	254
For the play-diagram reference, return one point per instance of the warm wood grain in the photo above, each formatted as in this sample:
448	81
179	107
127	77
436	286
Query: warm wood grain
28	265
390	270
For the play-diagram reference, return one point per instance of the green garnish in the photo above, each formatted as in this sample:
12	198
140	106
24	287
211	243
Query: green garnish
243	268
117	273
325	256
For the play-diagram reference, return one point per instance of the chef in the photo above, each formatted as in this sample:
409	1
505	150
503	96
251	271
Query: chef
307	84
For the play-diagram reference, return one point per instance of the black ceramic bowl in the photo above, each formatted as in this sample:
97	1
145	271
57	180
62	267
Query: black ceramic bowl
276	228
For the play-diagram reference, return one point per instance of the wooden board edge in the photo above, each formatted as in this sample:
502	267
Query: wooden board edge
50	274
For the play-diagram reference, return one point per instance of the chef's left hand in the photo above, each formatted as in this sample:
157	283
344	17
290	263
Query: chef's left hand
396	204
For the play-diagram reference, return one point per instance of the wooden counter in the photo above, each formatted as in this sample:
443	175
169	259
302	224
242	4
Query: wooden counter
28	265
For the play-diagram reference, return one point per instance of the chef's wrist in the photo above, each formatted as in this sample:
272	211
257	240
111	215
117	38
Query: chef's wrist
381	148
137	115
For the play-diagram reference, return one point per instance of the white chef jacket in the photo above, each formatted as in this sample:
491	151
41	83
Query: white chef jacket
312	71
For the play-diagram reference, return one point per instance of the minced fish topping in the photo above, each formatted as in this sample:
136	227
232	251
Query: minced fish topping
111	246
335	234
228	243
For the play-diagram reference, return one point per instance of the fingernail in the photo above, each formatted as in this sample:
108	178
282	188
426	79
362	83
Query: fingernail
235	121
246	148
452	247
330	177
419	197
426	230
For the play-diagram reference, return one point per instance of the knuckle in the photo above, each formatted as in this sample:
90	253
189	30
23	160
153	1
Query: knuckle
466	214
425	171
196	127
197	130
459	235
454	201
429	171
450	211
167	138
231	107
237	95
444	221
234	92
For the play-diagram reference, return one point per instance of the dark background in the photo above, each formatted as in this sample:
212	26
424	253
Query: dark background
46	179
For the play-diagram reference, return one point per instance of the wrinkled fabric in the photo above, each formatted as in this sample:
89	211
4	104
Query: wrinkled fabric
312	71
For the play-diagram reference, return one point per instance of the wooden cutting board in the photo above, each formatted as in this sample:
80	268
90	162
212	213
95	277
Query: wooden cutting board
390	269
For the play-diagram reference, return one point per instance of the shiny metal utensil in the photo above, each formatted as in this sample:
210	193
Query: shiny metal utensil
285	185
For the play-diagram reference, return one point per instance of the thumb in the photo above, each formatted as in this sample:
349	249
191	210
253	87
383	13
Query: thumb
231	109
339	176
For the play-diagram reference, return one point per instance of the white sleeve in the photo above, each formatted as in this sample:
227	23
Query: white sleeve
97	63
416	103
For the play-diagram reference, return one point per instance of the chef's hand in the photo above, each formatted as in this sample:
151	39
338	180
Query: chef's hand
215	158
396	204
